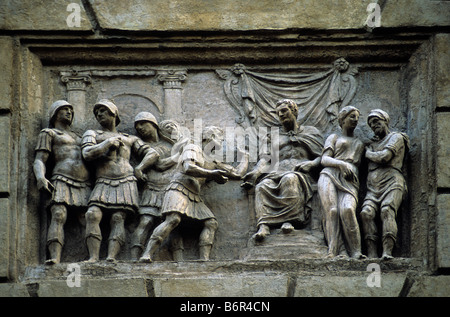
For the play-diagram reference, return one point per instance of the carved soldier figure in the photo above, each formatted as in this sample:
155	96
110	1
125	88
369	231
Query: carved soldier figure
69	184
157	176
338	186
115	190
386	186
182	198
283	196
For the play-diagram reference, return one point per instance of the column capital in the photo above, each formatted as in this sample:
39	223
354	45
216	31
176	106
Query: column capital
172	78
75	80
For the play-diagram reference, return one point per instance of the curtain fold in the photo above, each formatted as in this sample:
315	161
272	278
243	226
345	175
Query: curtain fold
319	95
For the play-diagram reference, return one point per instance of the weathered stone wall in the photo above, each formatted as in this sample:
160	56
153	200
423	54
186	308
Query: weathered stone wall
126	50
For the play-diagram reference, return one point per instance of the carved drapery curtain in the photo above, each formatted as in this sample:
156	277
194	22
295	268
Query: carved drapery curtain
319	95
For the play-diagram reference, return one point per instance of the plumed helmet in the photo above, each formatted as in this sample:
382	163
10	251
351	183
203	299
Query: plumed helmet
54	110
146	116
111	106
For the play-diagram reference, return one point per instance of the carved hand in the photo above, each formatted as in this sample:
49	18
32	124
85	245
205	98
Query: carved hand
115	142
140	175
304	166
249	179
347	171
219	176
45	185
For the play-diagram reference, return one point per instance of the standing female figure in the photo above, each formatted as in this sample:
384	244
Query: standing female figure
338	187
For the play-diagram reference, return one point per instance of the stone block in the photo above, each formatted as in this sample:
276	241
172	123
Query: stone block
6	65
443	151
350	286
294	245
5	146
243	285
431	286
43	15
13	290
229	15
443	231
195	15
442	53
94	288
4	237
418	13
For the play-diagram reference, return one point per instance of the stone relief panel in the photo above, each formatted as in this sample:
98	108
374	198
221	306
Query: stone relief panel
303	108
318	95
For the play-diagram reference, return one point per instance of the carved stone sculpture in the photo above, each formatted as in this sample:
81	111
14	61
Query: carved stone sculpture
338	186
182	198
253	94
161	137
283	196
69	185
386	185
115	191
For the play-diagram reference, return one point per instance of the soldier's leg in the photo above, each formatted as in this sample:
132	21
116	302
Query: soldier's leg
117	235
177	245
139	236
389	208
207	238
55	235
93	234
160	233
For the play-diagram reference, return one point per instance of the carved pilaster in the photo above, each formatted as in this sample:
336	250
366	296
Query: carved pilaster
172	79
172	82
76	84
76	80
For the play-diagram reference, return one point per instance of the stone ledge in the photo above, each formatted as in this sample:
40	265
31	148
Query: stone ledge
258	278
250	284
42	16
126	269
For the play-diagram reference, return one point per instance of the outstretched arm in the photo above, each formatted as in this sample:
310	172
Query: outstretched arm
192	169
235	172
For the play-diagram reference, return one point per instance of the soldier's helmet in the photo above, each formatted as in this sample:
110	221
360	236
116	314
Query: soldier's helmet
54	108
146	116
111	106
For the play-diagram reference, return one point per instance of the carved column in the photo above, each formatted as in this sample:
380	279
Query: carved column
76	83
172	80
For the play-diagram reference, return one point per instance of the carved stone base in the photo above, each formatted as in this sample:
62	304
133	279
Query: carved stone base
278	245
259	278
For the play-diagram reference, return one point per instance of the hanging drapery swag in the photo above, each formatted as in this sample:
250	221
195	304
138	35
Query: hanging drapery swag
319	96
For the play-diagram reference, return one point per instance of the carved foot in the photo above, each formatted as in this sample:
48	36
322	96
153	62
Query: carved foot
91	260
262	233
358	256
51	261
337	256
386	256
145	259
287	227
